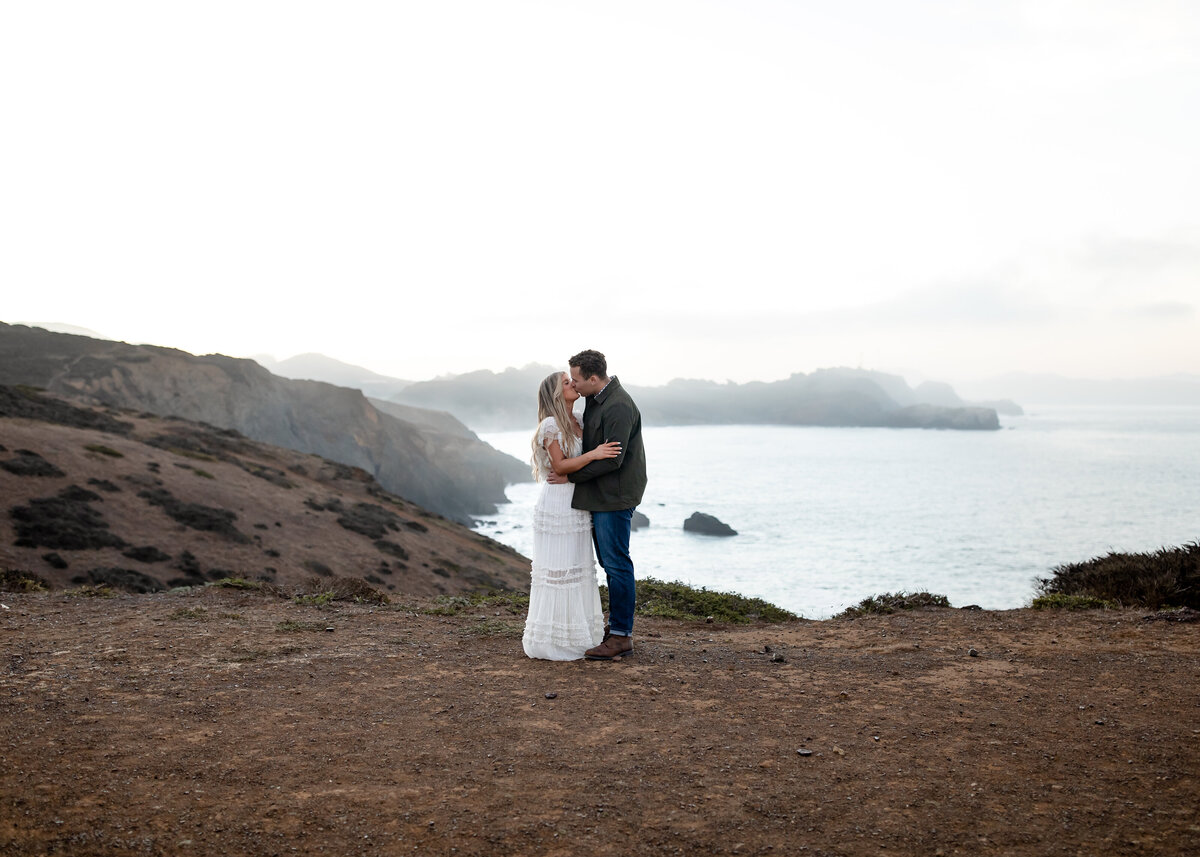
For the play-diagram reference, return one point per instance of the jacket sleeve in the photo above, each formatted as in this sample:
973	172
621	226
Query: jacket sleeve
616	424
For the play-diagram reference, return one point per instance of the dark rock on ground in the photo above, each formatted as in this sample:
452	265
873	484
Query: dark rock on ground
707	525
640	521
55	560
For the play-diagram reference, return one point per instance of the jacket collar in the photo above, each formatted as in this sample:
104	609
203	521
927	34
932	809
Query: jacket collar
613	384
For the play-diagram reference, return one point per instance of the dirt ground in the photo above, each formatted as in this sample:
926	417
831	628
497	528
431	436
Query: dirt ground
219	722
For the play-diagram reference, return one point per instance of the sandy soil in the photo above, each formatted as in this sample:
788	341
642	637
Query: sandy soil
218	722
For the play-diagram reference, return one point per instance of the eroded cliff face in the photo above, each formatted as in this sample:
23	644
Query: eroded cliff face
448	472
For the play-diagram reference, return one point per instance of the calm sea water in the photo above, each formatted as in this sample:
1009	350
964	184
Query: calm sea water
826	517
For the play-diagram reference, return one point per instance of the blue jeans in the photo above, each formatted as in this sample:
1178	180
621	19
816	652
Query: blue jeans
610	534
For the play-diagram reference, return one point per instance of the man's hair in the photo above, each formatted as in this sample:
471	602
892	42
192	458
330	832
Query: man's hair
590	363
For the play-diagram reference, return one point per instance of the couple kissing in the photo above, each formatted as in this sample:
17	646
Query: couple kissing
591	477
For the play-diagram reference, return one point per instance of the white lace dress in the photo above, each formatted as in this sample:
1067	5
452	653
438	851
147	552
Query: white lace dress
564	619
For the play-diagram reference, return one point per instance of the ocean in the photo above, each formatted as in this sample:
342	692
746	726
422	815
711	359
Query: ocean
828	516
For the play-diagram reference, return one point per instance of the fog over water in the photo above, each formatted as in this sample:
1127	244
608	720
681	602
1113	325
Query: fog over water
827	517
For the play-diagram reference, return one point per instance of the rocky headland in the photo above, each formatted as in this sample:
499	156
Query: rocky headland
495	401
430	459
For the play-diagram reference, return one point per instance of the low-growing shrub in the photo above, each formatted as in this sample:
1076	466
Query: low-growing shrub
511	601
236	583
89	591
188	613
677	600
65	521
496	628
16	580
320	591
29	463
1167	577
890	602
101	449
1058	601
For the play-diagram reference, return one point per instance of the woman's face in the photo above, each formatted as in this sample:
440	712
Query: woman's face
570	394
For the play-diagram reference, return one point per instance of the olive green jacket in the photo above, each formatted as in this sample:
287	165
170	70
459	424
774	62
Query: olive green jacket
611	484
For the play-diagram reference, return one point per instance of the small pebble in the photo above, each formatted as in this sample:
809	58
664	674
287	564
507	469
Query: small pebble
552	696
972	653
803	752
778	658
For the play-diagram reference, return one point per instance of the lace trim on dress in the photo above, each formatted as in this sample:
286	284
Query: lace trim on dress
556	634
547	431
561	523
556	577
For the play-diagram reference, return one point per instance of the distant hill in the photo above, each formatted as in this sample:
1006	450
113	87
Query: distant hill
484	400
1179	389
489	401
447	471
96	495
59	327
318	367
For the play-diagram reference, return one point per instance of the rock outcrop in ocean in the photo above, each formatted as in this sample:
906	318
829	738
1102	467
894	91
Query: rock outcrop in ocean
707	525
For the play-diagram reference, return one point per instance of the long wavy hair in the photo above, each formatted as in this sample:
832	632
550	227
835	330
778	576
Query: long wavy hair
552	404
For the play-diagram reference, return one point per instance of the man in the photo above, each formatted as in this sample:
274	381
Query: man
610	489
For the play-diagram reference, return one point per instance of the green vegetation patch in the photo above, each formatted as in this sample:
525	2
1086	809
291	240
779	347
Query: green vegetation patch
17	580
320	592
677	600
89	591
236	583
890	602
101	449
512	602
1058	601
496	628
1167	577
292	625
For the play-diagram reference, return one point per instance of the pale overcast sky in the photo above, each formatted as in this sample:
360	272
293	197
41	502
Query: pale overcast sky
732	190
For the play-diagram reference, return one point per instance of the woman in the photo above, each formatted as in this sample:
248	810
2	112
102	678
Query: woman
564	600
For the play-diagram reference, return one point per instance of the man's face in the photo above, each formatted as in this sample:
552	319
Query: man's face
585	386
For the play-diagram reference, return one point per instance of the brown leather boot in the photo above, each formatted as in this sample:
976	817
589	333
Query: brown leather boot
613	647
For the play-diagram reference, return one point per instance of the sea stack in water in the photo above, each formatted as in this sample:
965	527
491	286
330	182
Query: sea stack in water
639	521
708	525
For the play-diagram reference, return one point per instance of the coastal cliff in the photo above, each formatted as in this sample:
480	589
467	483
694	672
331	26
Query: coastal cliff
426	458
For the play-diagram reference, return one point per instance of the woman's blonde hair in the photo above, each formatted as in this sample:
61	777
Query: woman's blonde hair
552	404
